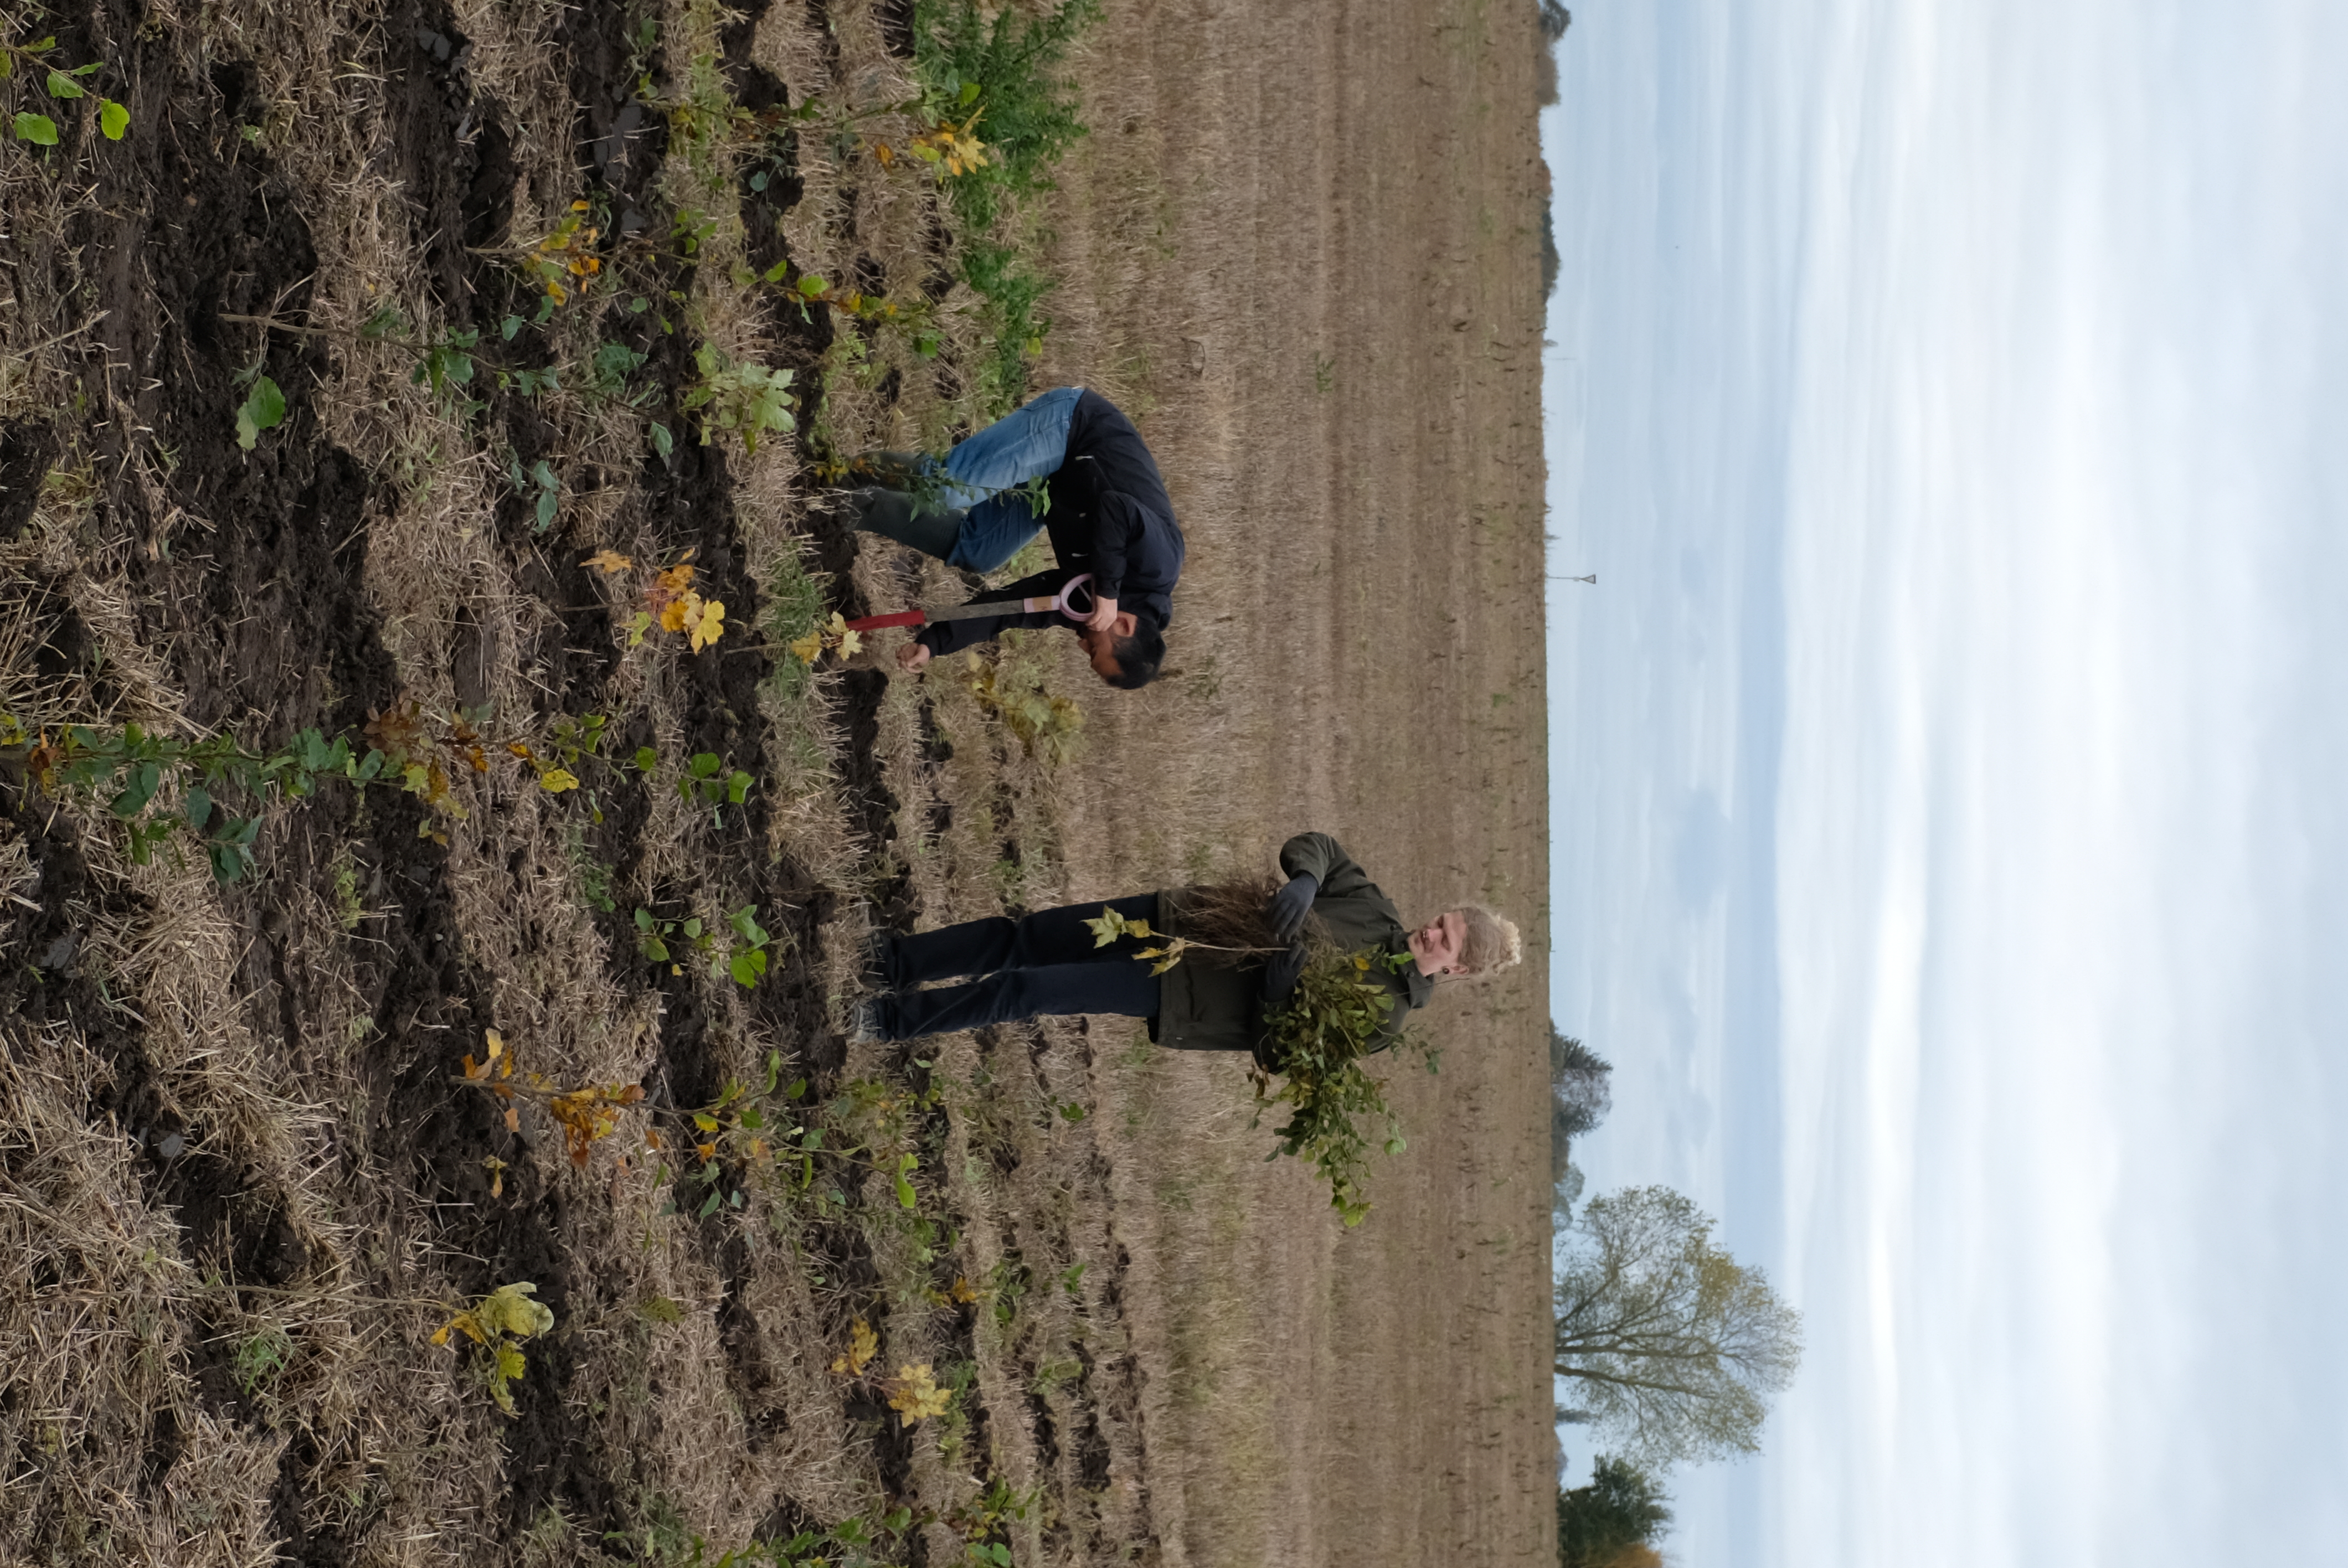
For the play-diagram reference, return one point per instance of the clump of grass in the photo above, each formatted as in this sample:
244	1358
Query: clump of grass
1012	688
1000	70
795	606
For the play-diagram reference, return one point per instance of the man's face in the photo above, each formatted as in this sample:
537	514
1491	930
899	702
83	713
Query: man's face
1100	646
1438	944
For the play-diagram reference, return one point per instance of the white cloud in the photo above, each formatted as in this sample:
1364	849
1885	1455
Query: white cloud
2010	335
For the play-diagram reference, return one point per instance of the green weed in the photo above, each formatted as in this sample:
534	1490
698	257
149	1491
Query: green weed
63	86
1011	688
998	70
261	1356
750	400
348	910
708	781
264	408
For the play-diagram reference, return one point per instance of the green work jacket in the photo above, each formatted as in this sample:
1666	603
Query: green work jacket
1210	1007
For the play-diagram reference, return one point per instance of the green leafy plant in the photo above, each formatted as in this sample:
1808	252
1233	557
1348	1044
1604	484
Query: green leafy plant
706	781
448	364
62	85
1000	64
610	369
1335	1016
127	770
653	934
264	408
747	962
547	484
445	366
748	399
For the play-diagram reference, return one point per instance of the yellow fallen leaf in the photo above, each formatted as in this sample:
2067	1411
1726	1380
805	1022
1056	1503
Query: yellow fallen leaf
917	1395
862	1346
710	625
554	781
676	612
611	563
807	648
851	644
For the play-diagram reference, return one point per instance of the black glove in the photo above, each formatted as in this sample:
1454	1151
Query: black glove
1288	907
1280	975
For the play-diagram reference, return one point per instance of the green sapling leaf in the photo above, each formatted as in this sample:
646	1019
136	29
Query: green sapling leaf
113	120
62	86
263	409
37	128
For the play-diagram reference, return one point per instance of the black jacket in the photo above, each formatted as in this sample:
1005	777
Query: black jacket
1109	516
1204	1006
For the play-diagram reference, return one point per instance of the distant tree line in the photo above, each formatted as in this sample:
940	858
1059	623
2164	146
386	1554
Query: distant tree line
1580	1094
1671	1345
1554	20
1612	1522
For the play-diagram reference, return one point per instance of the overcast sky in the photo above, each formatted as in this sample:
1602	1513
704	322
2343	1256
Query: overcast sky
1951	766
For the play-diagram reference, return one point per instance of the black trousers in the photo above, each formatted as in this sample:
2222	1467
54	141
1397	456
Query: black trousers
1044	964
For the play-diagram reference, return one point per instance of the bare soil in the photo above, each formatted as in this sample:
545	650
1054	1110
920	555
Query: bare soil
239	1181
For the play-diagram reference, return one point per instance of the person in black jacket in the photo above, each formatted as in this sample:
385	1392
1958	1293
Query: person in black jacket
1050	961
1107	512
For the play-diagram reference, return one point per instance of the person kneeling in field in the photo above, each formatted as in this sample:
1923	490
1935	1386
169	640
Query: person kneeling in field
1107	514
1214	998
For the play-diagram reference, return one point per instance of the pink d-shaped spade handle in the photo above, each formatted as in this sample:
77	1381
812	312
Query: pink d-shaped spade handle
1080	583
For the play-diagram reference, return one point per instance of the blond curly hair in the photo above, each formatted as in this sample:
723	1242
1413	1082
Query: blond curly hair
1492	942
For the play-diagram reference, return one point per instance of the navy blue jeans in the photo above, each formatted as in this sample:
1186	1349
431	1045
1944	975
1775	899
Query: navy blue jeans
1044	964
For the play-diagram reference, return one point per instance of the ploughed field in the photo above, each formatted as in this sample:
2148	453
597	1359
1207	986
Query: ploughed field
319	390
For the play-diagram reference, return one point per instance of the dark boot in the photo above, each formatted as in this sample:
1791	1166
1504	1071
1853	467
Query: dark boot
894	514
892	470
